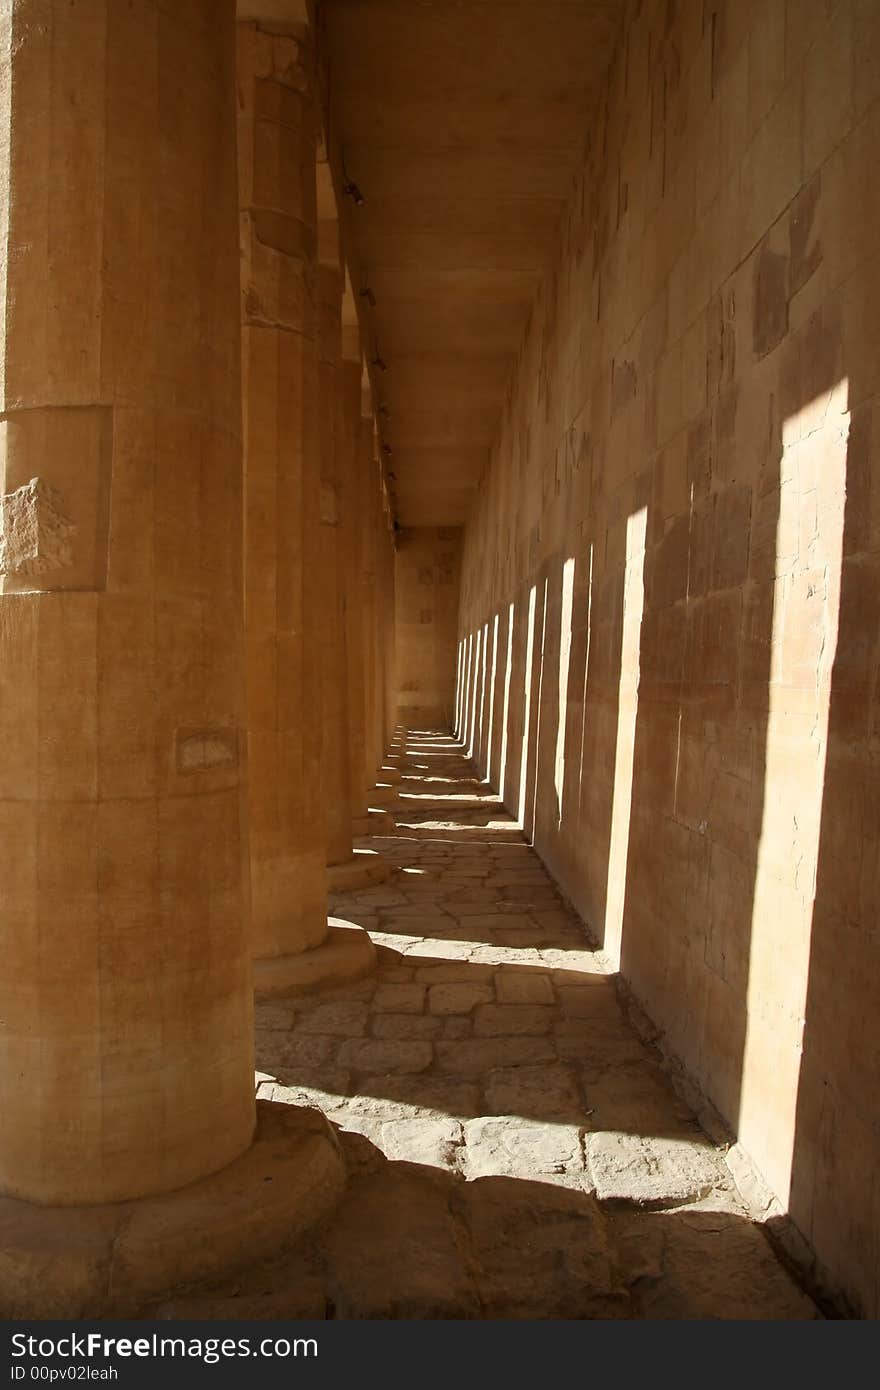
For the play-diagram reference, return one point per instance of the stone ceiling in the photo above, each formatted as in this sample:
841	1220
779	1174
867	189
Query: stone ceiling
461	122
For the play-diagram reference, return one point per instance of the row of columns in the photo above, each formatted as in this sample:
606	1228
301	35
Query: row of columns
189	725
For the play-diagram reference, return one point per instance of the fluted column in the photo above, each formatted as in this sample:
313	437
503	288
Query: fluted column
126	1059
283	536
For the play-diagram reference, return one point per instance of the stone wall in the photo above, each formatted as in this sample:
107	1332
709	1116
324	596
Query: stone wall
669	650
428	569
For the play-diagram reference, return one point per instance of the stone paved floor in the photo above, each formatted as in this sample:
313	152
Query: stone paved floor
515	1151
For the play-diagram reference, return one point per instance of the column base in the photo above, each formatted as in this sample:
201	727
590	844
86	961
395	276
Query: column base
375	822
117	1260
365	867
347	954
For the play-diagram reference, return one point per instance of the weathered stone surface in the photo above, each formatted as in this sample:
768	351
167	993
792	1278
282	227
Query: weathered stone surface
399	998
441	950
434	1142
458	999
453	973
321	1089
651	1171
546	1091
440	1094
507	1020
458	1026
374	1054
695	1264
589	1001
277	1016
508	1146
523	988
525	1235
406	1026
301	1052
116	1259
341	1018
392	1252
542	1251
480	1057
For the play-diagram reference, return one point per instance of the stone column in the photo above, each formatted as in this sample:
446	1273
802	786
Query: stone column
374	820
389	771
126	1053
355	607
277	136
336	771
363	865
287	611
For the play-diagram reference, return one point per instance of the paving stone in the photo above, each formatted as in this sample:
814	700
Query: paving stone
637	1099
297	1053
475	904
454	972
539	1123
529	900
505	921
519	877
525	988
599	1043
507	1145
549	1091
395	975
517	938
651	1171
440	950
458	1026
540	1250
322	1090
458	999
399	998
505	955
274	1017
419	926
398	943
589	1001
423	1139
375	1054
391	1251
480	1056
377	898
557	919
509	1020
581	962
410	910
342	1018
412	1094
405	1026
694	1264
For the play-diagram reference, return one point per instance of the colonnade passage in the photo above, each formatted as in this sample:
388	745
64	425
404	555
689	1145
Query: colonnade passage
439	654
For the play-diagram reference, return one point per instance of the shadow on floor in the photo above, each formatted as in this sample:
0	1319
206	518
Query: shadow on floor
515	1148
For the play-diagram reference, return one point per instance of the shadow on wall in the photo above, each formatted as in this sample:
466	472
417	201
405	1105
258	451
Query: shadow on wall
675	730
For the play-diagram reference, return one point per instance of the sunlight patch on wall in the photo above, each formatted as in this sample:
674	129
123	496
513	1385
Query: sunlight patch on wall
627	707
565	618
505	709
527	706
806	601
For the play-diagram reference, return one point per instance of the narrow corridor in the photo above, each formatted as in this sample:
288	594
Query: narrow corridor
514	1149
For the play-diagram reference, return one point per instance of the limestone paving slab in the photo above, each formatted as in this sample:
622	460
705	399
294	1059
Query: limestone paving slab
514	1149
